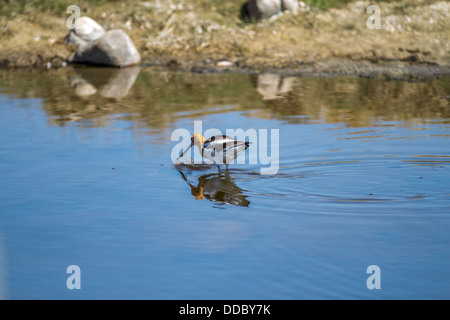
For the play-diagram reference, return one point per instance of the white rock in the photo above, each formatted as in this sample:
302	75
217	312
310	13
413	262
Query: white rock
224	63
291	5
87	29
257	9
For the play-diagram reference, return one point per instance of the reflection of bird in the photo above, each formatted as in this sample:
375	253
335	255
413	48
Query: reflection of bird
218	188
219	149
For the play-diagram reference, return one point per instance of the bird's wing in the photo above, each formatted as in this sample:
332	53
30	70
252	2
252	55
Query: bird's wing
223	148
222	142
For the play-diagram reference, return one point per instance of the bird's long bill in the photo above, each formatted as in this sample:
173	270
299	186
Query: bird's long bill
186	150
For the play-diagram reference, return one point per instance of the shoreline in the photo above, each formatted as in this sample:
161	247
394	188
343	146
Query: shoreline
400	70
412	43
395	70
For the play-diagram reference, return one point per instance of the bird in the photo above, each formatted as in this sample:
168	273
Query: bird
220	149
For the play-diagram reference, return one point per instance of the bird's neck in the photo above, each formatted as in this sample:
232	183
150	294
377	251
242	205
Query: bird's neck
200	147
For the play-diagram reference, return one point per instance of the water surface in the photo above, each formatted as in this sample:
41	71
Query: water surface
87	179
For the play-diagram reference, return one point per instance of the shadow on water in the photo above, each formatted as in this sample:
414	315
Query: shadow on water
216	187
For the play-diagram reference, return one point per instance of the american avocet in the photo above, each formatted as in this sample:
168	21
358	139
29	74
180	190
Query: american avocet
219	149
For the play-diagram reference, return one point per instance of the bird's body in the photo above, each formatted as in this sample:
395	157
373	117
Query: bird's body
223	149
219	149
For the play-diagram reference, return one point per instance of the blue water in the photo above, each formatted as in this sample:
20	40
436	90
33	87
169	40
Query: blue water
106	196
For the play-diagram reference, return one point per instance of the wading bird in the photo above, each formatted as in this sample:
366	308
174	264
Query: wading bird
219	149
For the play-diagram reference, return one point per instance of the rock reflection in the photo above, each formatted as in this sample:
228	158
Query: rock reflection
156	99
108	82
81	87
272	86
218	188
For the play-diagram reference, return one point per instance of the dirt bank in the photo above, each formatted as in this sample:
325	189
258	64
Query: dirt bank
413	41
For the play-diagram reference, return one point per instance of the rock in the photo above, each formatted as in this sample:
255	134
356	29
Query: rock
224	64
291	5
263	8
257	9
114	48
411	58
95	46
85	31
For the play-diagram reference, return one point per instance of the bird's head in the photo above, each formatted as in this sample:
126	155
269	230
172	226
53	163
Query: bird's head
197	140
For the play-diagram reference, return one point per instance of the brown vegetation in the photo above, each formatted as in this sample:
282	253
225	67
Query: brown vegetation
192	35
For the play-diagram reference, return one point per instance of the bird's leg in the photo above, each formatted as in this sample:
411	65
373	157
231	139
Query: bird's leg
218	166
226	166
